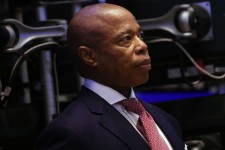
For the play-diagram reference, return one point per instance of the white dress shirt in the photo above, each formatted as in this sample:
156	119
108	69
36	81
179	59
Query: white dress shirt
113	97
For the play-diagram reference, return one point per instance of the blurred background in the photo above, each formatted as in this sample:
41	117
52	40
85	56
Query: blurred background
186	42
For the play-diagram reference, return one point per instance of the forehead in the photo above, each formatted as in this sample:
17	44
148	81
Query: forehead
119	23
123	28
102	23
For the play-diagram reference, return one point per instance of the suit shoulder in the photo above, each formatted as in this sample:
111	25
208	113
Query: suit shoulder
75	116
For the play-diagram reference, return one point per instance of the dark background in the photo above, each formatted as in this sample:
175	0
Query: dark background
199	109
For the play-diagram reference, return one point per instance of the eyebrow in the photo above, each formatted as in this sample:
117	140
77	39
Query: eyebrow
129	31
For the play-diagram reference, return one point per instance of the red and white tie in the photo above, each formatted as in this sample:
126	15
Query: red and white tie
146	124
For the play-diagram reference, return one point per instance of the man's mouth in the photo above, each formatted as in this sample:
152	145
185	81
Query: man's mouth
145	64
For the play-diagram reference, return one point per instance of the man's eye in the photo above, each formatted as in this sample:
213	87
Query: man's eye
126	39
141	36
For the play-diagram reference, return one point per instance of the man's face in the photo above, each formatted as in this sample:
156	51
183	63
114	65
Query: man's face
122	56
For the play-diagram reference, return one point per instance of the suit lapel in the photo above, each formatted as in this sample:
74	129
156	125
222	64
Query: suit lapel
113	121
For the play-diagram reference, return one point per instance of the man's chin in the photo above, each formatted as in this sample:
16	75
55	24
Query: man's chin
141	82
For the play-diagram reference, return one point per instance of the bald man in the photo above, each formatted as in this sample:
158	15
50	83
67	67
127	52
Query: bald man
111	56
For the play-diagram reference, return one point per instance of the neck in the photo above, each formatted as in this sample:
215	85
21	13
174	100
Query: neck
125	92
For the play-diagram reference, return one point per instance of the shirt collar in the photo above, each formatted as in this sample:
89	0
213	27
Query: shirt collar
107	93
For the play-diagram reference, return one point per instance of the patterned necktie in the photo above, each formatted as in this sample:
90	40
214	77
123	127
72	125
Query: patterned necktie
146	125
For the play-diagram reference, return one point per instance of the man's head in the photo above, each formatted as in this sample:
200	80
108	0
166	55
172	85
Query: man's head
107	43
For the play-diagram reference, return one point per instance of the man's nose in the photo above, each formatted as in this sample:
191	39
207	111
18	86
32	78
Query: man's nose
140	46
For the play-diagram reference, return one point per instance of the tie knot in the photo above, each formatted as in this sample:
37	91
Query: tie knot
133	105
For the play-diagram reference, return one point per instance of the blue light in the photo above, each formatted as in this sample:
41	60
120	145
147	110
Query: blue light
155	97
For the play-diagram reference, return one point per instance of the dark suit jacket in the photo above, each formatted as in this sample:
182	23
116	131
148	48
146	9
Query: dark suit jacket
90	123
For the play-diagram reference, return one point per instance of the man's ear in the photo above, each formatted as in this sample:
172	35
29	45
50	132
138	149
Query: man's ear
88	55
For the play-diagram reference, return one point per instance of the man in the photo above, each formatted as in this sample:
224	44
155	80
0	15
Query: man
110	54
